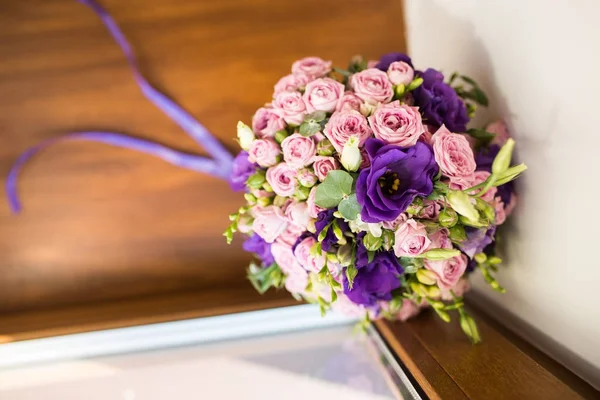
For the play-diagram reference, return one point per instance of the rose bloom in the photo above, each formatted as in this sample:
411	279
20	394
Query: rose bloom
430	210
290	83
349	101
411	239
372	86
290	106
307	178
440	239
282	179
393	225
309	262
478	177
344	124
290	235
313	209
408	310
500	130
266	122
298	151
500	211
347	307
284	257
453	154
323	165
269	222
460	288
448	271
297	213
400	72
322	95
296	283
397	124
264	152
311	67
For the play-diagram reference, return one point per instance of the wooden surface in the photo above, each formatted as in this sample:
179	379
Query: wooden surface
101	223
447	366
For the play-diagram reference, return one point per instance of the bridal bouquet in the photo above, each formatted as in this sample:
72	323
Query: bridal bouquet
366	192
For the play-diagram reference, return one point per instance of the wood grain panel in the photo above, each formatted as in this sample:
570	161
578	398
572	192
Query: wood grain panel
102	223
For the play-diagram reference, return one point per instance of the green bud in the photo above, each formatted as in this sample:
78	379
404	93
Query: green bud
510	174
267	186
458	234
426	276
399	90
461	203
256	180
245	135
325	148
440	254
337	231
478	223
280	135
493	260
502	160
433	292
311	226
344	255
371	242
263	201
279	201
388	239
307	178
415	207
302	193
351	157
442	314
332	258
467	324
480	258
448	218
367	109
250	198
415	84
485	207
418	289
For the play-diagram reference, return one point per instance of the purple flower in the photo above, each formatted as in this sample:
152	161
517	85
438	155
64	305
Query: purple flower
375	280
484	159
324	218
395	177
257	245
477	240
241	171
387	59
439	103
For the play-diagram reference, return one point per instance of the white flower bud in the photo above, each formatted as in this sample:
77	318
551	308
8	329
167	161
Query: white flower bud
245	135
351	157
461	203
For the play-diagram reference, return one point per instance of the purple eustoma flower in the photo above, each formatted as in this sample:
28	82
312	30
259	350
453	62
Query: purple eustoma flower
387	59
241	171
376	280
324	218
477	240
257	245
439	102
395	177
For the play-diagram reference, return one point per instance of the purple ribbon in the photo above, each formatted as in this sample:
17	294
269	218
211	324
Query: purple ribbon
219	165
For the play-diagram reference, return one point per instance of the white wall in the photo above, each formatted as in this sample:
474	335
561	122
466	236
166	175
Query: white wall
539	60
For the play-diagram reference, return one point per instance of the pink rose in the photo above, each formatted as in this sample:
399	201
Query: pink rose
269	222
312	67
397	124
453	154
462	183
460	288
307	178
400	72
408	310
297	213
290	83
430	210
427	136
411	239
291	233
313	209
308	261
323	165
284	257
448	271
322	95
298	150
290	106
244	224
296	283
344	124
266	122
345	306
264	152
512	203
440	239
499	129
372	63
282	179
393	225
500	211
372	86
349	101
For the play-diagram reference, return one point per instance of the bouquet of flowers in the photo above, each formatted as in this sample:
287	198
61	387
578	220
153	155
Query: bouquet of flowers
366	192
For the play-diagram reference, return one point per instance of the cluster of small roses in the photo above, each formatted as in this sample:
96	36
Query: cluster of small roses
366	192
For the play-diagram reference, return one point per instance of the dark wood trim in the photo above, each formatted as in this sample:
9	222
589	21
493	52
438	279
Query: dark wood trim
448	366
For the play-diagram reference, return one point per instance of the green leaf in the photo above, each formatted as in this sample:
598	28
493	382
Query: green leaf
468	80
316	116
343	72
336	186
510	174
309	128
351	272
481	134
370	256
480	97
349	207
